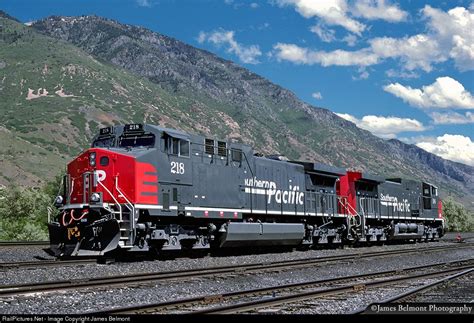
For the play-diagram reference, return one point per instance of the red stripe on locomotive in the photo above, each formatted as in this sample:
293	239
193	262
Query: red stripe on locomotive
146	181
345	188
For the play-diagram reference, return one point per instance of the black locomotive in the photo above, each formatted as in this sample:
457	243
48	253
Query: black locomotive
142	187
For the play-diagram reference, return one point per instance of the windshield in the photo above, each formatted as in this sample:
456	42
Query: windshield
137	140
104	142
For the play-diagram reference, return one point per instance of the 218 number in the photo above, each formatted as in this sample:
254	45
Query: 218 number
177	168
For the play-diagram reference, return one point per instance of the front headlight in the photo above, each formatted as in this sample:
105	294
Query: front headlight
58	201
95	197
92	159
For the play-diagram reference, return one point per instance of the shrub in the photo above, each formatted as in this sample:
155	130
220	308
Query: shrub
457	217
24	211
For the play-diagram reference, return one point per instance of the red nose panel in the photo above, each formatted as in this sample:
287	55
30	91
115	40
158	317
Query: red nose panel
118	173
146	182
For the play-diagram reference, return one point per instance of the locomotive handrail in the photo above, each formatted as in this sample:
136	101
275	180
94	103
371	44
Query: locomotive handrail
348	206
72	189
113	197
131	208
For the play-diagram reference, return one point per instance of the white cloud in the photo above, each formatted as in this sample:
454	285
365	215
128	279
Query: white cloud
350	40
444	93
317	95
325	34
385	127
452	147
363	74
379	9
144	3
401	74
246	54
453	30
329	35
300	55
254	5
448	35
419	51
348	117
332	12
452	118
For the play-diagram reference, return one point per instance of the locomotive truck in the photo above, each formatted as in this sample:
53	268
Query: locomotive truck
142	187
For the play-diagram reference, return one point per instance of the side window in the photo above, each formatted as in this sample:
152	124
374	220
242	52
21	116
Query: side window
222	148
209	146
175	146
184	148
179	147
236	155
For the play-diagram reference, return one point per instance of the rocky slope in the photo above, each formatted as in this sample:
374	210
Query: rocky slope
165	81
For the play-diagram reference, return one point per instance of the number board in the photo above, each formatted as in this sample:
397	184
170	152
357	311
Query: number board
105	131
133	127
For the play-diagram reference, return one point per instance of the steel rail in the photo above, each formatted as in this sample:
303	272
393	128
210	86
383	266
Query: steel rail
45	263
209	299
19	289
415	291
262	303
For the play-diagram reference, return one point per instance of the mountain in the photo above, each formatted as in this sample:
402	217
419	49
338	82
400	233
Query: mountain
111	72
54	96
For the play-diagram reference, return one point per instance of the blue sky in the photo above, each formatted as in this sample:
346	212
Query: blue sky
400	69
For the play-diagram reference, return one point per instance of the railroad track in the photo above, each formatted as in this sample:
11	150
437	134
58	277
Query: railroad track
254	299
44	263
52	262
411	294
140	278
23	243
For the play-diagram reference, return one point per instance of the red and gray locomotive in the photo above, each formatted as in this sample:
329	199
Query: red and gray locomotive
141	187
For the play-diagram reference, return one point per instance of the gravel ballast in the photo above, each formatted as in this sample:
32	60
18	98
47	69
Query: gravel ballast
81	301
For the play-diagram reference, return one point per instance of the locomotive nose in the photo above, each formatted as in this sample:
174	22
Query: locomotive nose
85	192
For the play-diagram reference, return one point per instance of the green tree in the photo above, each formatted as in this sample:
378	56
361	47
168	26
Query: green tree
457	217
23	214
24	211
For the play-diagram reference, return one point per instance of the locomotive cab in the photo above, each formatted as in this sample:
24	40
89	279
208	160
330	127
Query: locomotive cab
100	190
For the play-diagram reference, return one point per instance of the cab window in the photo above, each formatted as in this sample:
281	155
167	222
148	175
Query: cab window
179	147
141	140
104	142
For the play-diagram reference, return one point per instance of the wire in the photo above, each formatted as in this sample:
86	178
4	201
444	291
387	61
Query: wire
63	222
84	212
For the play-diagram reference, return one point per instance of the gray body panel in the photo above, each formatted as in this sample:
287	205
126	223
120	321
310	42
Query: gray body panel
239	234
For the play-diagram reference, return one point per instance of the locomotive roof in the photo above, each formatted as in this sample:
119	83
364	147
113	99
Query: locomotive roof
372	178
189	136
172	132
321	168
